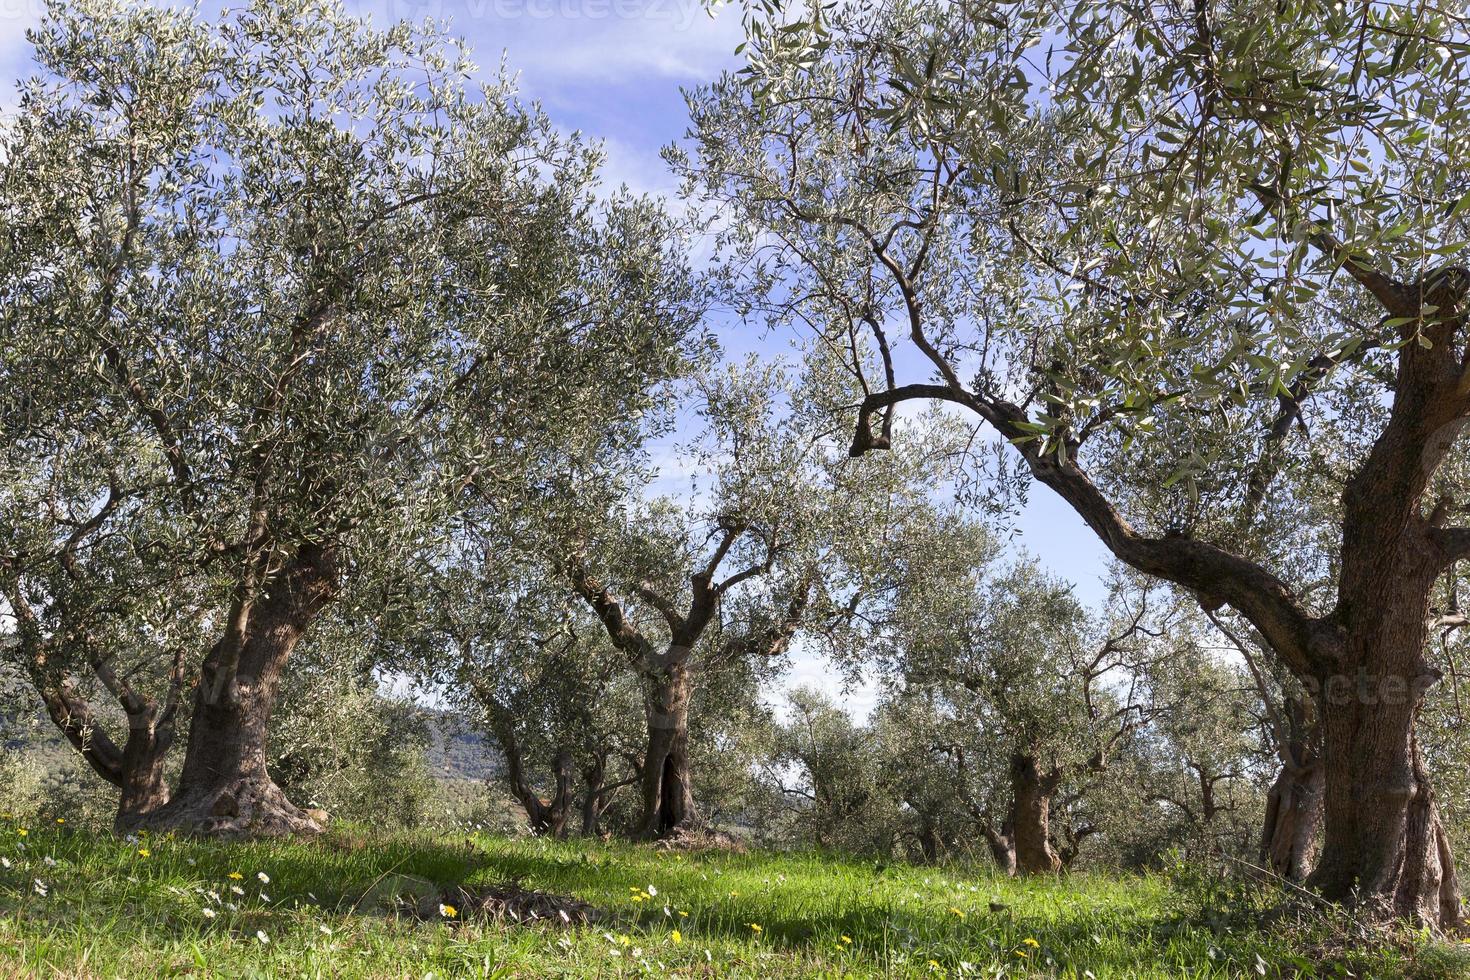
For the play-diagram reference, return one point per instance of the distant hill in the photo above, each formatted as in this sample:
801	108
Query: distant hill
457	752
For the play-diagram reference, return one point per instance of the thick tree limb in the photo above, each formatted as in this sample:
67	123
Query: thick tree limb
772	642
68	710
624	635
1218	576
646	592
1454	543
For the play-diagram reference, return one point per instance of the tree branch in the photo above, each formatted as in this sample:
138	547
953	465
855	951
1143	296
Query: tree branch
1453	543
1217	576
624	635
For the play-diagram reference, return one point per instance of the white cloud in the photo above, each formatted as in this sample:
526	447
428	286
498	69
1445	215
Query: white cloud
582	40
639	168
16	17
813	670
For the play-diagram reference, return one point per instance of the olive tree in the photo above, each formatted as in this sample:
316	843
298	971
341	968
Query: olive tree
509	649
342	745
761	551
827	773
728	575
1209	752
1039	694
277	290
1221	235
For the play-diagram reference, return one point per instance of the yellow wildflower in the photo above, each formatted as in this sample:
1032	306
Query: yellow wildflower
448	911
23	832
144	852
676	937
847	940
1032	943
755	928
237	876
960	913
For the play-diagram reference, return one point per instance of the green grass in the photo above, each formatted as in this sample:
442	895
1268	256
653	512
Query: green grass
109	909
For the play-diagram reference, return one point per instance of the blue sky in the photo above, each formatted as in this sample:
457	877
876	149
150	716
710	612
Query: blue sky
613	69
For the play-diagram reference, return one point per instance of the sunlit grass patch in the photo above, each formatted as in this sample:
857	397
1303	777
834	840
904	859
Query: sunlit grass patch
80	904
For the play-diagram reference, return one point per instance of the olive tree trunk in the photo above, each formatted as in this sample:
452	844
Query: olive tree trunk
594	776
667	793
1383	842
1030	818
1293	819
225	789
1294	804
1002	846
143	788
546	817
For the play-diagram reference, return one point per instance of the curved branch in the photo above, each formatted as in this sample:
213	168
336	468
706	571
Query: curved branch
624	635
1217	576
1453	543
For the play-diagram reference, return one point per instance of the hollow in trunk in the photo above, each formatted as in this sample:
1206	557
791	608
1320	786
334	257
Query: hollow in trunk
667	796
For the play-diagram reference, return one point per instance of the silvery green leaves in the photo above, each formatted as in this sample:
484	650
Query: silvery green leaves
1142	224
280	284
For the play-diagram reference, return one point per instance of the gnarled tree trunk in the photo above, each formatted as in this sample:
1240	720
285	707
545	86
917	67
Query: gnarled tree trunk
667	795
1293	819
1032	792
1002	846
1294	804
143	788
137	767
224	788
548	817
593	778
1384	845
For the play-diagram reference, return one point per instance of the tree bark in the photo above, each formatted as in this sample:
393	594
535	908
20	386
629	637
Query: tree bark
667	795
593	777
1032	792
1293	818
1294	804
143	788
546	817
224	789
929	845
1384	845
1002	846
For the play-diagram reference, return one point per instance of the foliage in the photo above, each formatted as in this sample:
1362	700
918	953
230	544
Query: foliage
339	744
278	289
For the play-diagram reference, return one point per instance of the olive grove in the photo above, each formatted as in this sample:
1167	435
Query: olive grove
253	356
342	399
1197	265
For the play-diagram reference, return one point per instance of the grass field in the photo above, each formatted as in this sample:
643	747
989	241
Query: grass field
350	904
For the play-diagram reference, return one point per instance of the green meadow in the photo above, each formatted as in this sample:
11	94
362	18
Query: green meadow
350	904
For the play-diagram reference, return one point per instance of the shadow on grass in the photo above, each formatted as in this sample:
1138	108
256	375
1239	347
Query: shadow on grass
167	882
1108	941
